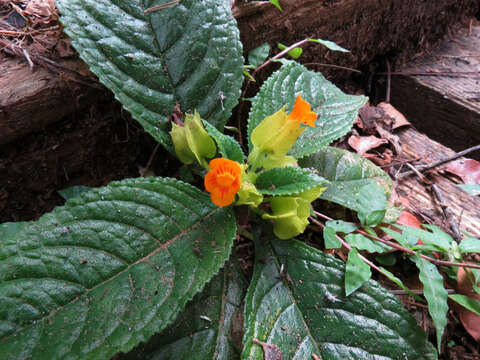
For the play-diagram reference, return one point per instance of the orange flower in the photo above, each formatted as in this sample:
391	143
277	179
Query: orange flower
223	181
302	112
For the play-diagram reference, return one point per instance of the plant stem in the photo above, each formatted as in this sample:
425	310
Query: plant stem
347	245
279	55
406	250
423	168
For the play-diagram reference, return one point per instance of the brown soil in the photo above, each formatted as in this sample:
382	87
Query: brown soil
90	148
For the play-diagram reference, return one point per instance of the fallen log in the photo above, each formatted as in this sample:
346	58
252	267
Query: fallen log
42	149
440	93
422	202
29	100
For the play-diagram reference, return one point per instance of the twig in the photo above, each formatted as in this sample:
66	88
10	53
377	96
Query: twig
423	168
150	159
406	250
419	174
13	33
161	7
389	82
334	66
279	55
447	212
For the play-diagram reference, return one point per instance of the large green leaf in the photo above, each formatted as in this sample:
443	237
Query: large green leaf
206	325
188	53
336	110
435	294
348	173
109	269
9	229
288	181
306	312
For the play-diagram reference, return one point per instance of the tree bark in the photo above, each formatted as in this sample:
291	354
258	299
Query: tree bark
368	28
29	100
423	202
441	97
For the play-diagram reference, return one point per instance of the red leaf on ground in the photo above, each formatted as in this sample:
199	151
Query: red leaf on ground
408	219
361	144
466	169
470	320
394	114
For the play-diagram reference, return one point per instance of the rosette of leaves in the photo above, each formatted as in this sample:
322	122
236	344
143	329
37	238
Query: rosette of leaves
139	258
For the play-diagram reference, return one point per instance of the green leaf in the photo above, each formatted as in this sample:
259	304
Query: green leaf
437	238
73	191
342	226
387	259
336	110
247	74
361	242
9	229
332	227
295	53
329	236
109	269
276	3
467	302
372	204
435	294
329	44
189	53
357	272
206	325
287	181
257	56
348	173
405	240
227	145
470	245
306	312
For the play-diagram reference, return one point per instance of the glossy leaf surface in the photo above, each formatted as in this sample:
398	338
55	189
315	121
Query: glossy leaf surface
204	329
348	173
304	310
336	110
288	181
188	53
109	269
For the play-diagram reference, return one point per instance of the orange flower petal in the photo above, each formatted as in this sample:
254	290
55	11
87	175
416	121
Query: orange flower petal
223	181
222	196
302	113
